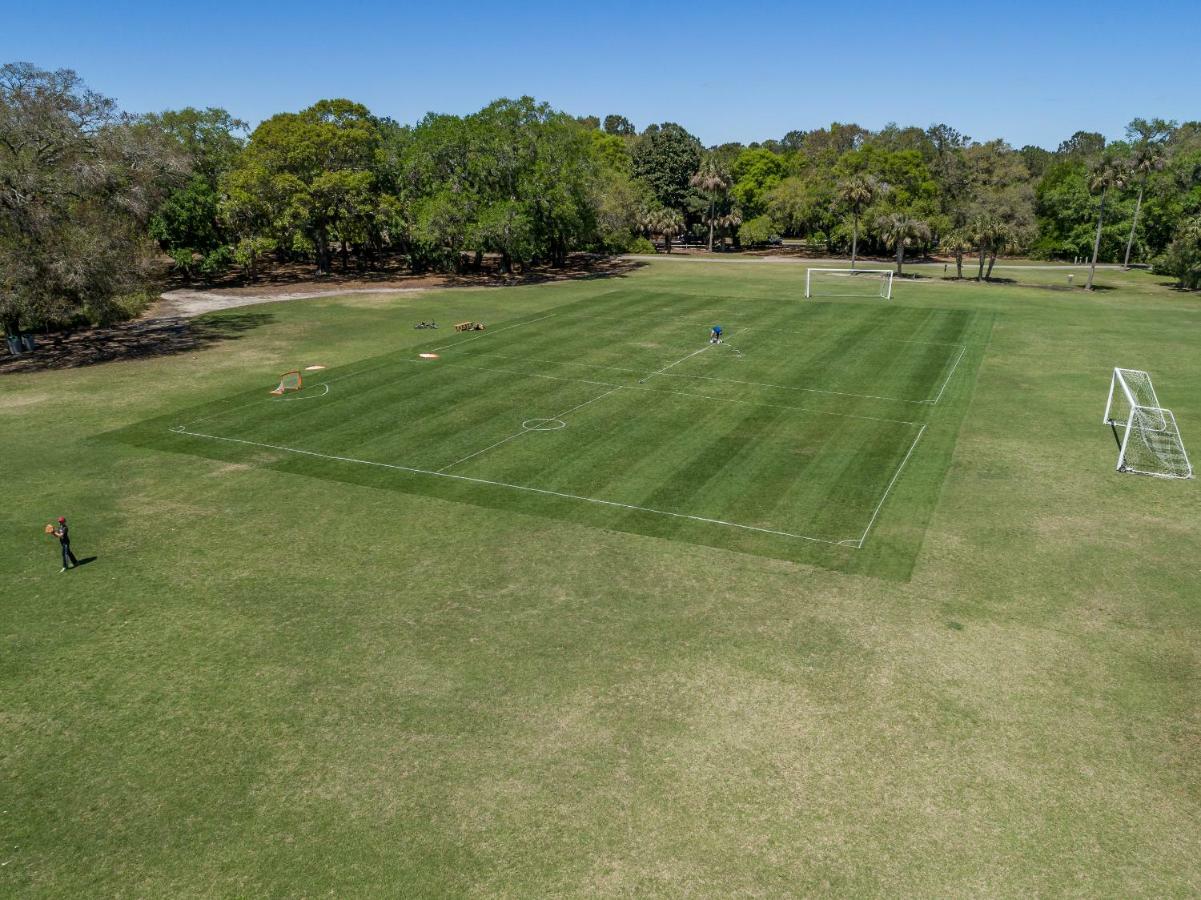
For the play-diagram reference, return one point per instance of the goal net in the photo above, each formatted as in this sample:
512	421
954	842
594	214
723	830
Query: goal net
1149	440
849	283
289	381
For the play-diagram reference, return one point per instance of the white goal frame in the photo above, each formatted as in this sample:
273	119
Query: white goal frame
1149	442
884	276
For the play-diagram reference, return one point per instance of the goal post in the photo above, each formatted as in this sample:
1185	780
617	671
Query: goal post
289	381
848	283
1128	388
1149	441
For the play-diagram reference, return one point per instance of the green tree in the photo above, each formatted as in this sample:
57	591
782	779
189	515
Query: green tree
855	194
308	176
898	230
714	181
211	138
1149	156
1110	173
1084	145
758	230
755	172
618	125
1183	256
665	157
1001	201
78	185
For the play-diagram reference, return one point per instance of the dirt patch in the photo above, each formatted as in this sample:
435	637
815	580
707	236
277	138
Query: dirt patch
170	327
21	401
296	283
189	303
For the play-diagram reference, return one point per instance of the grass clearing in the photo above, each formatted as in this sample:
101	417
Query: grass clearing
289	675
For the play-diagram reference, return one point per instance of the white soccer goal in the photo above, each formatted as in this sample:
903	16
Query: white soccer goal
849	283
1149	440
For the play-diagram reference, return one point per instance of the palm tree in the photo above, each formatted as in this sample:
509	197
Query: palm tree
1109	173
855	193
662	221
1149	157
988	234
730	221
898	230
957	243
714	181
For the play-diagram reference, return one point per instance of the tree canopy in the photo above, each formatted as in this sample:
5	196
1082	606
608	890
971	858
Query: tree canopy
86	191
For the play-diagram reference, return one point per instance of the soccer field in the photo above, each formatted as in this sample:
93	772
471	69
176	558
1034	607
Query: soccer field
793	431
853	603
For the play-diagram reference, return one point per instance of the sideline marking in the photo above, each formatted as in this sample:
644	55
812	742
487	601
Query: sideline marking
519	487
895	476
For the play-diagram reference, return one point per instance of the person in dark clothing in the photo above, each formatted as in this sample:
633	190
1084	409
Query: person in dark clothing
64	539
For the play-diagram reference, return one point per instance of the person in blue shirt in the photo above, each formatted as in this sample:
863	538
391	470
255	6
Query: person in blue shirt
715	335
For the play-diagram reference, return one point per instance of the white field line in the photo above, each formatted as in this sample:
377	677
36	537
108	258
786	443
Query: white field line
310	397
895	476
878	340
629	387
786	387
557	362
491	332
947	380
526	431
326	383
674	364
517	487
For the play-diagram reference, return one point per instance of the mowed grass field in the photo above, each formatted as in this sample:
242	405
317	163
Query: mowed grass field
786	439
853	603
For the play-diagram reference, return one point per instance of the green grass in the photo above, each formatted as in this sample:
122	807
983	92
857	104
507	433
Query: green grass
292	675
785	440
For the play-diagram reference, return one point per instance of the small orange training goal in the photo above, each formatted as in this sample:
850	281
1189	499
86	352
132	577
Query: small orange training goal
289	381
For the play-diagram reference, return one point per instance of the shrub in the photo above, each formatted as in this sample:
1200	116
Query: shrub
642	246
1182	259
756	231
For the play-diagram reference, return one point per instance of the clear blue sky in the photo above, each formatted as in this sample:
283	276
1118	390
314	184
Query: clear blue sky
1028	72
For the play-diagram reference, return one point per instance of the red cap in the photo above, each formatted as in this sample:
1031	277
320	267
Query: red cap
62	518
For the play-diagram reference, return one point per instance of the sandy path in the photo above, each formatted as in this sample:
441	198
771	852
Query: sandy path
187	303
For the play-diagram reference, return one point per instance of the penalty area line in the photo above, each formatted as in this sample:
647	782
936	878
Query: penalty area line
895	476
947	380
517	487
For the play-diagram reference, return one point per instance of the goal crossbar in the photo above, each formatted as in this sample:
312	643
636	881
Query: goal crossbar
848	283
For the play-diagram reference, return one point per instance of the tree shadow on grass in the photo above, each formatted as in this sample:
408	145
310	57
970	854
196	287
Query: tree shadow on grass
143	339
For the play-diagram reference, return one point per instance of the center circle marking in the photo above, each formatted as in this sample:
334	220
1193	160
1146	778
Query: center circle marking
543	424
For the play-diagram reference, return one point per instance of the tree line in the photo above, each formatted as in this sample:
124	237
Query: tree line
90	195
